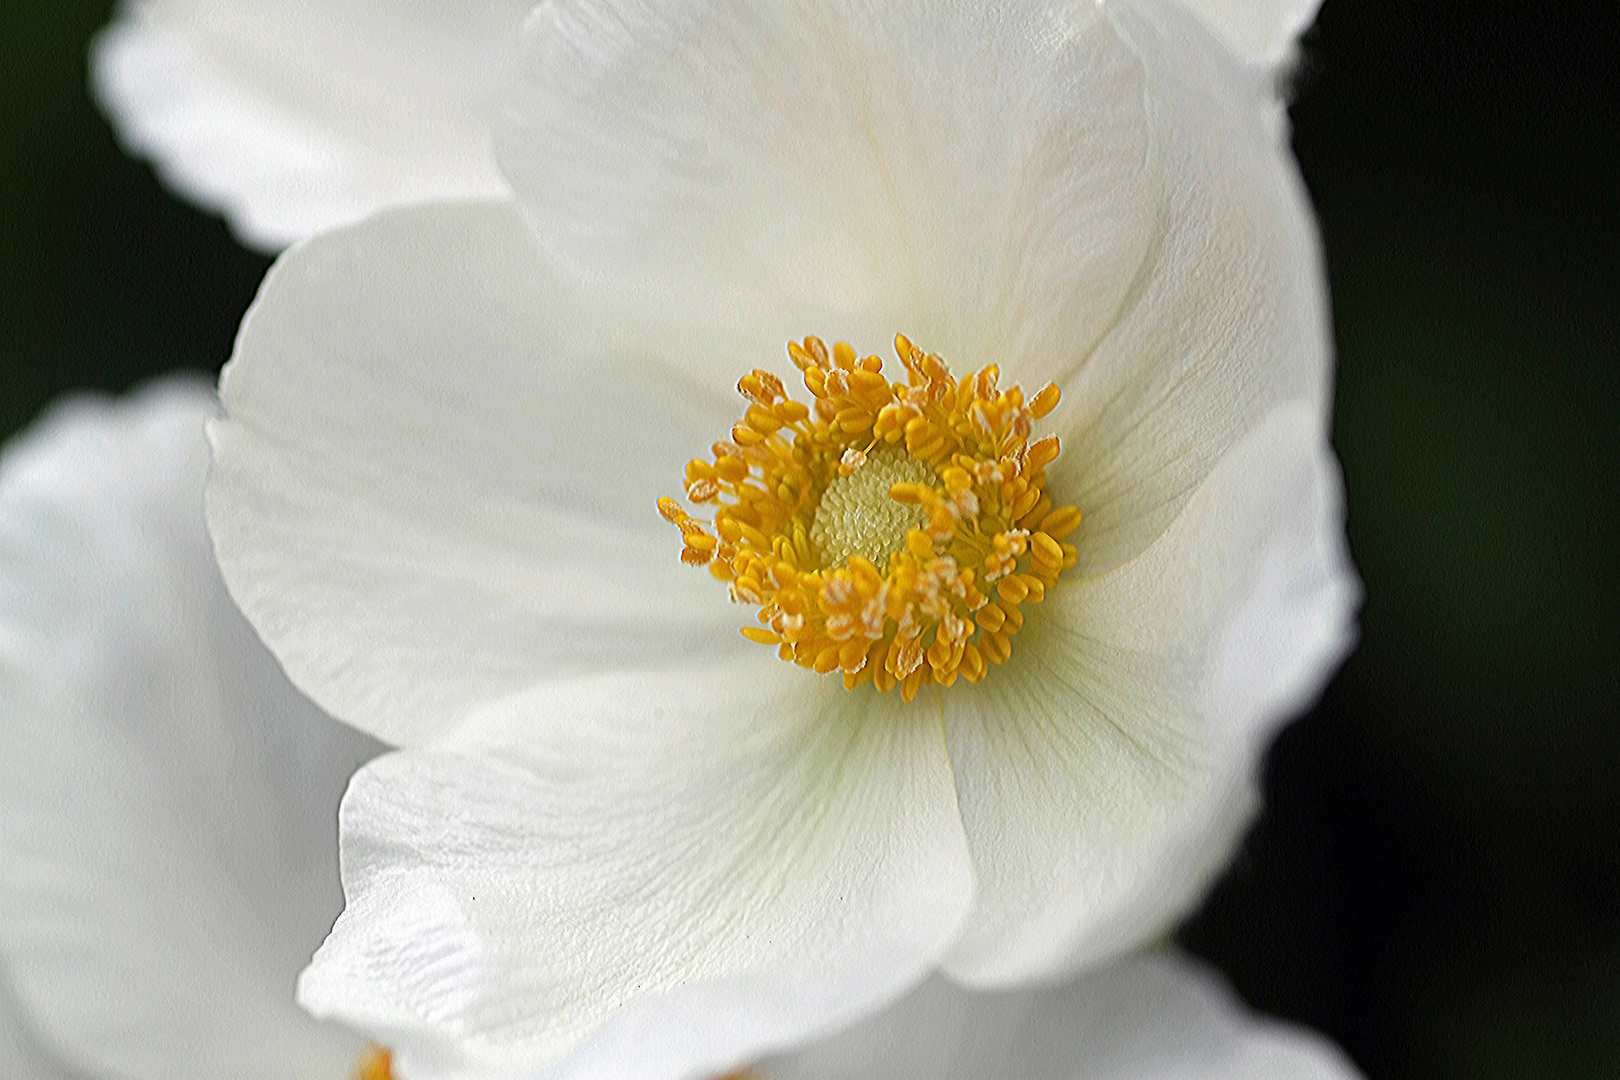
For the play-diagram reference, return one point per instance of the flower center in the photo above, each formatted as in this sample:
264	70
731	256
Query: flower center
856	515
894	531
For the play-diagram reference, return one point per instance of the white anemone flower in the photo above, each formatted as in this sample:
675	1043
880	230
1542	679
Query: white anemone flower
167	824
623	837
295	116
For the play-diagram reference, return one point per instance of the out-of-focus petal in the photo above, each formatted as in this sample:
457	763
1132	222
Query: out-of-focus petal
292	117
167	801
1147	1018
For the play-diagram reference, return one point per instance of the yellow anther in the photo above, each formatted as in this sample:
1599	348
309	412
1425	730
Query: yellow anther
791	412
757	390
870	384
1044	401
908	353
1025	503
762	419
911	494
911	684
999	646
730	469
1061	522
746	435
1045	550
1015	616
920	545
1012	589
1037	513
854	419
973	664
869	525
1042	453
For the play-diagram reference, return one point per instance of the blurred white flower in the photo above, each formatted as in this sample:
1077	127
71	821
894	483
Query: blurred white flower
166	823
623	838
168	803
292	116
1158	1016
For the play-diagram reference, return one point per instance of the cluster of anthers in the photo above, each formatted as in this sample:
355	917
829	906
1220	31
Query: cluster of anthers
892	531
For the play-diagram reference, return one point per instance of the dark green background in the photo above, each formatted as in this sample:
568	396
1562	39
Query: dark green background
1436	881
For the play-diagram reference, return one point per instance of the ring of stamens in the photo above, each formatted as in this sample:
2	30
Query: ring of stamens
922	582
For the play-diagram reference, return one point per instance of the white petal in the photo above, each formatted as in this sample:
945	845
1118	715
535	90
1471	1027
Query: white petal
1146	1018
1100	196
1260	31
1103	788
1228	317
645	876
293	117
969	174
167	801
435	490
1107	771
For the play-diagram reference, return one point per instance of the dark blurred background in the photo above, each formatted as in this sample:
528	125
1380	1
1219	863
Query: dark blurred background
1436	880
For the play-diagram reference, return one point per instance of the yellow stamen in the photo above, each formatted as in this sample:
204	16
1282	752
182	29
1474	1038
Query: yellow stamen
891	532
